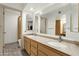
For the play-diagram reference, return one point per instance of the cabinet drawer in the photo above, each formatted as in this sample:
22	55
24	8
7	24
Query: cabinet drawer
46	50
41	53
32	54
27	45
34	43
27	40
28	50
33	51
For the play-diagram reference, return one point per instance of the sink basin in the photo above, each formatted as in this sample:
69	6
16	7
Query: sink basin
57	44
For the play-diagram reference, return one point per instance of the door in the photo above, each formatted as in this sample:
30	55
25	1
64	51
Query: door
58	27
19	27
11	20
1	30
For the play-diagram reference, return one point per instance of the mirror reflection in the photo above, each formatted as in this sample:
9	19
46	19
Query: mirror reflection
58	21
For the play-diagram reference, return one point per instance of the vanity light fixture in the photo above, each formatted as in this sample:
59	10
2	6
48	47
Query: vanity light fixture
39	12
31	9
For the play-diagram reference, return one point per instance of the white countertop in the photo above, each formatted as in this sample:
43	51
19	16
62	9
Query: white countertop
67	47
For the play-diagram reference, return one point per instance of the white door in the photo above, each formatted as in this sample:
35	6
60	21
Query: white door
1	30
11	18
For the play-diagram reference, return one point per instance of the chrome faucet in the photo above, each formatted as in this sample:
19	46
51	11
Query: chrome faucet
60	38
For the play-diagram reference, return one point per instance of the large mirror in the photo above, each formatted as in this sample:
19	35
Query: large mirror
29	22
60	21
53	27
74	18
60	25
43	25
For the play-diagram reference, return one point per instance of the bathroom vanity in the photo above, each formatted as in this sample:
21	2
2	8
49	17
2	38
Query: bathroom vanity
41	46
36	45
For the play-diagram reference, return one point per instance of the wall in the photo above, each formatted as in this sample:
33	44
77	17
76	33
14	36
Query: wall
36	23
43	25
11	18
18	6
67	10
74	35
1	30
23	22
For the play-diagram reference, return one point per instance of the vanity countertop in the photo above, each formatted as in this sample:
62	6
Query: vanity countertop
68	48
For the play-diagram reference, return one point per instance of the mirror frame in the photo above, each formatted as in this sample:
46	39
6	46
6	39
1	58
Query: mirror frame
71	29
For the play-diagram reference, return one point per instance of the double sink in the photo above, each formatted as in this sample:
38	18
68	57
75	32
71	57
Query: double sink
55	43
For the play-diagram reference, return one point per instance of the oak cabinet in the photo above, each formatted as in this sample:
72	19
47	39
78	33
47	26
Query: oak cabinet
27	45
35	48
44	50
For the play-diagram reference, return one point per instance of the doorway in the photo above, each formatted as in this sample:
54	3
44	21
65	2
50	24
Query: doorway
10	25
19	27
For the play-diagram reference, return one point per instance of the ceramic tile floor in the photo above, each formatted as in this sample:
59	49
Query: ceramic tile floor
13	49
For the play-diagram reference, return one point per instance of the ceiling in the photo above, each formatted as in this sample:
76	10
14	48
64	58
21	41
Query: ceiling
17	6
36	8
42	8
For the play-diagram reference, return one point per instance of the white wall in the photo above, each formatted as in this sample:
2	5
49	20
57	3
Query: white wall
23	22
19	6
67	10
43	25
74	35
36	23
1	30
11	18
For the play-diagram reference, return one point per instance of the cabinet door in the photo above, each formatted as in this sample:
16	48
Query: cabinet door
27	45
33	48
33	51
41	53
45	50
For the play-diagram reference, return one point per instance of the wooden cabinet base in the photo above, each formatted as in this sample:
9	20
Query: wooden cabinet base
45	50
27	45
35	48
